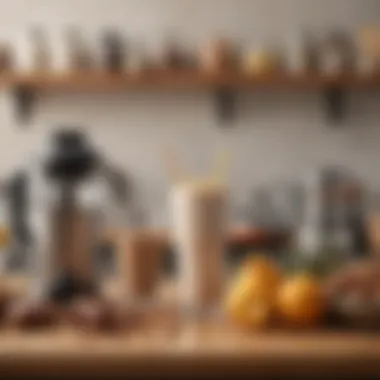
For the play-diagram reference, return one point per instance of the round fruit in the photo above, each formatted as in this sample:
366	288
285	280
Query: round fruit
252	295
301	301
263	272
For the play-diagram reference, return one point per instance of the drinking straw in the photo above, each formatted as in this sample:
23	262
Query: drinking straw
222	163
173	165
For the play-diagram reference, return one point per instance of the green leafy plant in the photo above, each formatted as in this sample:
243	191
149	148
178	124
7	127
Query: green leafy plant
320	263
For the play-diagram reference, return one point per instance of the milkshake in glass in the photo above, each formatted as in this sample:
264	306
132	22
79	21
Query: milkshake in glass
198	216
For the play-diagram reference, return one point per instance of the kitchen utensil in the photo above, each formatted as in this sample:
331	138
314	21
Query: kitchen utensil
59	214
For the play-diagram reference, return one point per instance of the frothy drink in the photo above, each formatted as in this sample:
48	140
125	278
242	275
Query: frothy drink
198	236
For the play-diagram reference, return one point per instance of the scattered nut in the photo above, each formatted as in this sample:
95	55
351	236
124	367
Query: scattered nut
31	315
96	315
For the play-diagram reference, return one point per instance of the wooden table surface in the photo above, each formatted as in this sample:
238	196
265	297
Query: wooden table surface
169	345
193	349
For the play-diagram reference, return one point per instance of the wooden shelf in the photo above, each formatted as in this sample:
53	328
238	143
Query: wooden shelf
183	80
224	85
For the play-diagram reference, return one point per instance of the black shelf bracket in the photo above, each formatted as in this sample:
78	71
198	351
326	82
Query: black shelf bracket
24	99
225	105
335	104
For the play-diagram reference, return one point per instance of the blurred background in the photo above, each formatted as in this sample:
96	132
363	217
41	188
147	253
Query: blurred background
271	107
276	136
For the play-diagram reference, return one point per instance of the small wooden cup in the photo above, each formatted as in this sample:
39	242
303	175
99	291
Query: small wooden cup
139	263
373	232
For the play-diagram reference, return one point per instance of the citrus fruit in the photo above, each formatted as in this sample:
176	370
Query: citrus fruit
252	294
300	300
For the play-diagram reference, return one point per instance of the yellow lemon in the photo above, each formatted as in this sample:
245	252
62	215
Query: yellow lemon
301	301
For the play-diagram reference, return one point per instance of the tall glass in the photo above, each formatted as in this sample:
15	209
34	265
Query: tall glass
198	216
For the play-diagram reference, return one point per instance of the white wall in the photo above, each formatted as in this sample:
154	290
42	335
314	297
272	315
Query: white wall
276	135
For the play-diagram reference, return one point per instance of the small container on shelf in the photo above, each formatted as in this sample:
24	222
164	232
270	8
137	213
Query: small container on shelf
136	60
79	54
261	62
302	54
368	47
336	54
173	56
216	56
41	54
6	57
367	66
113	51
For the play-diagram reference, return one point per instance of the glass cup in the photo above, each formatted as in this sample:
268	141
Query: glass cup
198	233
139	261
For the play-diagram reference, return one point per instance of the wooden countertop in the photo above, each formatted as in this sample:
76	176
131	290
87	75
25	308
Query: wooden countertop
163	343
193	349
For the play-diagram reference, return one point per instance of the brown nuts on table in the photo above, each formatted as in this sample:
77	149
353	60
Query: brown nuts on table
93	314
30	316
5	298
89	314
354	293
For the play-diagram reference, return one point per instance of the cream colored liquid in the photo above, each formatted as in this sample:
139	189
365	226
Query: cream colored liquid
198	236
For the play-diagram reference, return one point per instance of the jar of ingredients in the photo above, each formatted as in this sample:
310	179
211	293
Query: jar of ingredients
302	54
336	54
261	62
41	53
113	51
79	56
136	61
369	50
217	56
